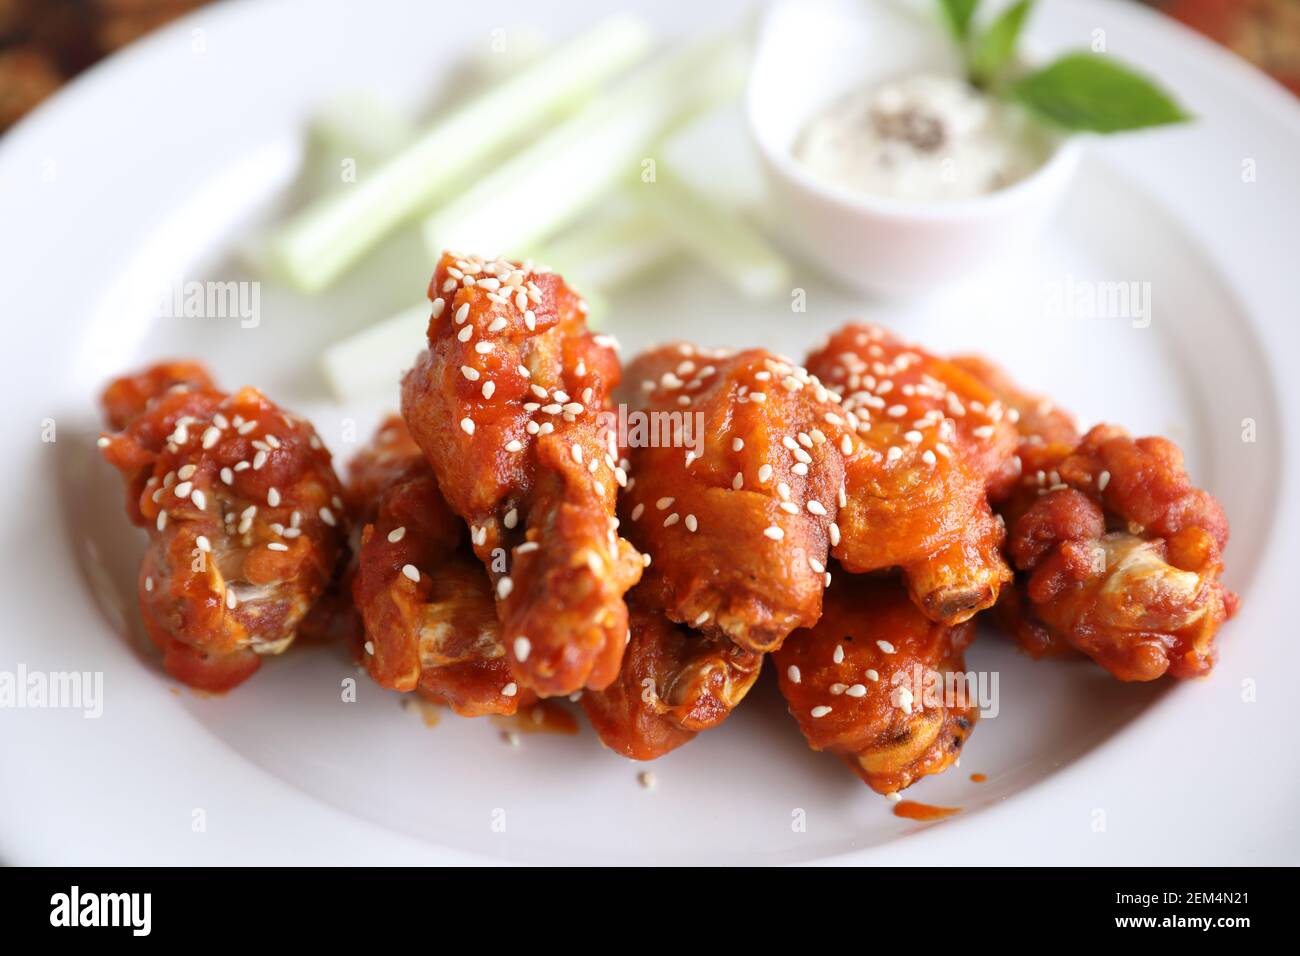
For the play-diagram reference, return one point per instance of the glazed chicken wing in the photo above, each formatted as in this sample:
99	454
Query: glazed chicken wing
739	468
936	443
874	683
244	517
507	404
1120	555
674	683
426	604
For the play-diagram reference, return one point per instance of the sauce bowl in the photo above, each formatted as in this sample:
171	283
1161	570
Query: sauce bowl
811	52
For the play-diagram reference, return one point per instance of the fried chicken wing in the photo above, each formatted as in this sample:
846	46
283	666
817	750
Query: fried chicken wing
244	517
1120	555
936	442
873	683
739	472
428	612
674	683
506	404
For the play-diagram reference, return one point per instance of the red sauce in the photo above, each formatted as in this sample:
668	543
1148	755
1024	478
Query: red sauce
543	717
923	811
978	778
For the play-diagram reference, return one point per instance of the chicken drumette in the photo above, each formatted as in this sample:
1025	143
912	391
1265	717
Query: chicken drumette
244	517
673	684
874	683
426	605
1120	555
936	442
739	461
507	404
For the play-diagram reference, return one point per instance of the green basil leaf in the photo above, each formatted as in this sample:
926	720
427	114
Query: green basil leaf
997	45
958	13
1083	91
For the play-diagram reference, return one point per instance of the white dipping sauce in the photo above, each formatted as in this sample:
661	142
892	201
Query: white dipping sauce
922	137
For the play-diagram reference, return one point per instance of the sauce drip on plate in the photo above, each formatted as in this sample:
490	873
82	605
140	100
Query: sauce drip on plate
912	810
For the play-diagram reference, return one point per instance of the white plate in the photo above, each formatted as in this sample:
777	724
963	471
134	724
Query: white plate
154	164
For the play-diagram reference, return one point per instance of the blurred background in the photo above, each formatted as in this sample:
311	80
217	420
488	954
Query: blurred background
44	43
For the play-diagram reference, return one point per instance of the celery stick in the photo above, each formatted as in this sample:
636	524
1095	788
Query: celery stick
604	255
551	183
373	360
317	245
716	235
361	125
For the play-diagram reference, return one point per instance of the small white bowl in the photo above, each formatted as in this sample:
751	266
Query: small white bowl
809	53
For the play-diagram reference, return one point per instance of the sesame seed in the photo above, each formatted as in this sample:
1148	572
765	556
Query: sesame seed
523	647
701	618
638	511
737	482
857	690
737	444
465	334
277	546
211	435
412	572
893	796
273	497
838	656
530	320
247	427
202	543
663	504
462	313
148	584
1103	480
816	507
671	520
231	599
764	473
647	779
438	306
504	587
467	425
103	441
227	476
872	674
469	373
397	534
691	524
821	710
834	531
327	516
885	646
512	518
183	489
837	689
773	532
792	672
